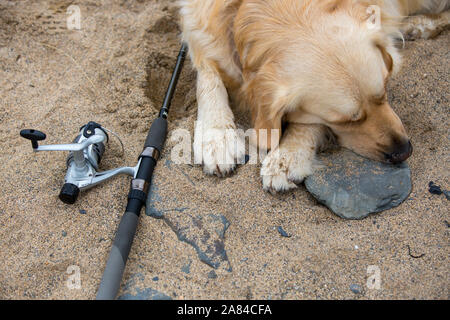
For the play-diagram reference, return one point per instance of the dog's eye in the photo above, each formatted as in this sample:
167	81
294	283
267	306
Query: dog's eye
358	117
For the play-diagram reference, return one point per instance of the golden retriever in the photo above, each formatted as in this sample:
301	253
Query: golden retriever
315	65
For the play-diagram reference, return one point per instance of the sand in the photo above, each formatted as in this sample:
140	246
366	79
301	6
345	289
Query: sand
214	238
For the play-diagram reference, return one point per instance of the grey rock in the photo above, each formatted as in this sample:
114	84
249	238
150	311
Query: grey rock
153	200
353	187
132	290
355	288
145	294
205	233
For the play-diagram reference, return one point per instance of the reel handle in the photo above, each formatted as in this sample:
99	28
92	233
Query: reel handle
69	193
34	136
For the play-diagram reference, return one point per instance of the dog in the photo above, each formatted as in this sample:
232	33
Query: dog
310	67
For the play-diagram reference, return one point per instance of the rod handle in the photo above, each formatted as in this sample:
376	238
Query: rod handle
112	276
157	134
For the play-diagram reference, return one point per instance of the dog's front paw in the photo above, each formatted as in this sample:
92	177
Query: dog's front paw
282	170
219	151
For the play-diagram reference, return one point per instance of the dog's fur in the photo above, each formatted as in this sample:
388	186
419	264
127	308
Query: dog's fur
317	65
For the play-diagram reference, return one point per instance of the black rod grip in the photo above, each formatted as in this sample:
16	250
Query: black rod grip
146	168
157	134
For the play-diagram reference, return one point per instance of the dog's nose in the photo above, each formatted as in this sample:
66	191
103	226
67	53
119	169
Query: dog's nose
401	153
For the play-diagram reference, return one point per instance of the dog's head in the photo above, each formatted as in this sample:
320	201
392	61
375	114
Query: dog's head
330	68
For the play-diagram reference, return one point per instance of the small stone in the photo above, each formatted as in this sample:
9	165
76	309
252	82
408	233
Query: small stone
82	211
212	274
282	232
155	279
64	233
447	194
355	288
353	187
434	189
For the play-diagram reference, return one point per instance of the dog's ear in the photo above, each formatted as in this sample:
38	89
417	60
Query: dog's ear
388	60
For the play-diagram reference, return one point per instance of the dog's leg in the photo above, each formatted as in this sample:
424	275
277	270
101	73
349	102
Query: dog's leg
216	143
425	26
294	159
206	25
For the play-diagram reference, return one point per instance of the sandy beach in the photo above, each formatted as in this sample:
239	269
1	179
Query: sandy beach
203	237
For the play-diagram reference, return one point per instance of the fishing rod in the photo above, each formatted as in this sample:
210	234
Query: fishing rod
139	188
85	154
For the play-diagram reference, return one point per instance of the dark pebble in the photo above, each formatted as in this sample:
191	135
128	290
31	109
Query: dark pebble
212	274
434	189
82	211
283	233
64	233
155	279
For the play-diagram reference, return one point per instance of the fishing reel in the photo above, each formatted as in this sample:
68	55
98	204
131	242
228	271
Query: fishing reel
86	152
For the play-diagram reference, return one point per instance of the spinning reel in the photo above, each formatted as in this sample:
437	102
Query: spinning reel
86	152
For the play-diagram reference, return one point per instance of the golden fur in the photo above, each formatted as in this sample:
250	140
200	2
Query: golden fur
317	65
